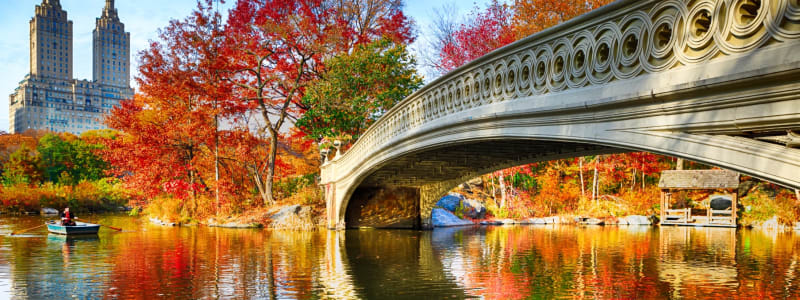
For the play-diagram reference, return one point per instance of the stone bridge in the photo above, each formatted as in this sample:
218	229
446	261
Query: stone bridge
713	81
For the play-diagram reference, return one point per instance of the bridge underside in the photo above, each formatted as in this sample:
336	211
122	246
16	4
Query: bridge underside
472	159
402	193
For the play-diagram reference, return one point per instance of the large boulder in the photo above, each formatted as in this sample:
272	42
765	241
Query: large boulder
721	202
444	218
292	217
473	209
450	202
638	220
48	211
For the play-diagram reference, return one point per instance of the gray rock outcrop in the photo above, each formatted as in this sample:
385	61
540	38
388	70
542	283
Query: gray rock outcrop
444	218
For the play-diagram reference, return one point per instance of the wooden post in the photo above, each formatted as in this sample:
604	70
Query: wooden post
663	207
733	206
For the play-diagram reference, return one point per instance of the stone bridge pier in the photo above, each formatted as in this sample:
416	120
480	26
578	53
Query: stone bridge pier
713	81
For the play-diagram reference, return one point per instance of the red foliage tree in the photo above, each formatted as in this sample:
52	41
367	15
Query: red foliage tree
276	48
172	121
485	31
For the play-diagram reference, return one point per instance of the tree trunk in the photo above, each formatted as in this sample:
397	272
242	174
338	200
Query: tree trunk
595	189
797	194
260	184
679	164
273	154
633	184
580	171
216	163
643	179
502	191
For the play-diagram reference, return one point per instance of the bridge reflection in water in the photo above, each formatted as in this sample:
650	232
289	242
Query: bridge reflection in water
512	262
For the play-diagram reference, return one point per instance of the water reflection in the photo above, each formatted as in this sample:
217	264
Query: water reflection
512	262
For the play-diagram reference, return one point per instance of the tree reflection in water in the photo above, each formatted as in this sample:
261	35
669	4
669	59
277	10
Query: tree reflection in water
511	262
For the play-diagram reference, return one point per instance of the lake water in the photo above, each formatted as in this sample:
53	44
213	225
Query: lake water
512	262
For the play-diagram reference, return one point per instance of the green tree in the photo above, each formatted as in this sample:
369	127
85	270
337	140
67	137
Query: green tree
70	160
57	157
357	88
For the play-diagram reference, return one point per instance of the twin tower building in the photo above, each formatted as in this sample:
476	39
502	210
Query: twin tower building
48	98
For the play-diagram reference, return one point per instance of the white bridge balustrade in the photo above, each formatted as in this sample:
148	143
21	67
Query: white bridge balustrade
714	81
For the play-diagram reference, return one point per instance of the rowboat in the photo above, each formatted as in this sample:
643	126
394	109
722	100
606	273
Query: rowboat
79	228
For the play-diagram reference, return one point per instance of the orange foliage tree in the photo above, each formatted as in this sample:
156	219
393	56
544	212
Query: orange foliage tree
277	48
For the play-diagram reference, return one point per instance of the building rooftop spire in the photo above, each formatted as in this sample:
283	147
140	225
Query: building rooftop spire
109	11
55	3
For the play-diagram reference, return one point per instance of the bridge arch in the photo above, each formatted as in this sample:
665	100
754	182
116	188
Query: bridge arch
708	82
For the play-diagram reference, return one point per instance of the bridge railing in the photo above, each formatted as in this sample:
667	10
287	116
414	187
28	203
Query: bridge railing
623	40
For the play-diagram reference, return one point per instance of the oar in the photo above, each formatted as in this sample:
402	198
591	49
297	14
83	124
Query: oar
24	230
112	227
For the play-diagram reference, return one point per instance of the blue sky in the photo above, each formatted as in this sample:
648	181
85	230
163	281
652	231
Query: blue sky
142	19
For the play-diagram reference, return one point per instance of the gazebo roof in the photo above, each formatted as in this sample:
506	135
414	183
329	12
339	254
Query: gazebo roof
699	179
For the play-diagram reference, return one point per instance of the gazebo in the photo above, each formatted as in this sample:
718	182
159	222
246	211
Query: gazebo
721	208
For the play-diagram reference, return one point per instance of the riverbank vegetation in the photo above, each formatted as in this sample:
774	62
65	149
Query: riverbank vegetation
41	169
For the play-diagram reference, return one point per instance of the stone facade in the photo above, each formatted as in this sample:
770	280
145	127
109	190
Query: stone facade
48	98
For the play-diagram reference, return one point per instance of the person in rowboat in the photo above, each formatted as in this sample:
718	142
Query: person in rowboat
67	218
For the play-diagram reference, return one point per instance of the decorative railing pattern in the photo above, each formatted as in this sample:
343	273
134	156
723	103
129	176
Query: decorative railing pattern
621	41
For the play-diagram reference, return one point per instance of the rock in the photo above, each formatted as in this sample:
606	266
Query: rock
475	181
525	221
797	226
473	209
443	218
638	220
552	220
292	217
48	211
721	202
539	221
508	221
158	221
592	221
450	202
286	211
622	221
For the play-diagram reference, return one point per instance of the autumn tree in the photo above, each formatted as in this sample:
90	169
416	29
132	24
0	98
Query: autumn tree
172	122
483	32
357	88
276	49
532	16
23	166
